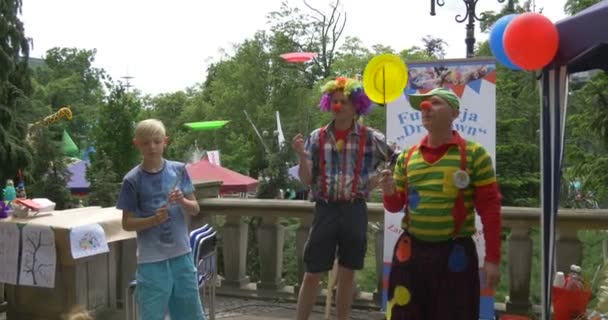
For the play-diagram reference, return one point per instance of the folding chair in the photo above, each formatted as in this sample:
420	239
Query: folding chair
195	232
197	243
131	311
207	269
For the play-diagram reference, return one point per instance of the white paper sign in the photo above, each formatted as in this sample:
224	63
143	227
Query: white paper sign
214	157
38	256
88	241
9	253
392	231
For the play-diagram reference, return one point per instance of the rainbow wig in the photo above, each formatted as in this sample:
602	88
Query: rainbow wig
352	89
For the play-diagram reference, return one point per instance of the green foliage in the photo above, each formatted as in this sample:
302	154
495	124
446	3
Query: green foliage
49	168
15	88
67	78
103	180
276	177
517	147
517	126
113	131
255	79
573	7
586	142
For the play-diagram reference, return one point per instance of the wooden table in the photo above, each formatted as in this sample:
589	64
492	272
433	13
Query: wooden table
97	282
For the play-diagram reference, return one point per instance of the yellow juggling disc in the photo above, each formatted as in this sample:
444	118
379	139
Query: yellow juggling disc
385	78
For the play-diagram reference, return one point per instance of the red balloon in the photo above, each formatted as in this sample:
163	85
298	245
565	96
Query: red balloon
530	41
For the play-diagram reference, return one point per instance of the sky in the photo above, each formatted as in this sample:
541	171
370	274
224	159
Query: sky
167	46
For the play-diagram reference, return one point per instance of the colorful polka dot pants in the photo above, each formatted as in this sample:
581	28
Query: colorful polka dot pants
433	281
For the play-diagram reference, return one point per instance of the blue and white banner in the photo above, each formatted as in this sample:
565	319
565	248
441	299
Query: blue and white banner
474	81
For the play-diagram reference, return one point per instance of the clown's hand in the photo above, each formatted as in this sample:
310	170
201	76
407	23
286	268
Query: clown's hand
491	274
298	145
387	183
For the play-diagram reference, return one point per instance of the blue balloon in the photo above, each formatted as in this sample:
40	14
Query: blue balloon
496	41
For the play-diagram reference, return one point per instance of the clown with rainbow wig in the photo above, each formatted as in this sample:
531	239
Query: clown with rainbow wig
340	162
350	88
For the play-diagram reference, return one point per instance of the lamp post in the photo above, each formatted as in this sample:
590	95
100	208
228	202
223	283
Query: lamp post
470	16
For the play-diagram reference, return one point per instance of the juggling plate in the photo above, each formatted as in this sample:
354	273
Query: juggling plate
385	78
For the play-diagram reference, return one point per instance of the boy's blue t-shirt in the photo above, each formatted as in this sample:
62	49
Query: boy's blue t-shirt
142	193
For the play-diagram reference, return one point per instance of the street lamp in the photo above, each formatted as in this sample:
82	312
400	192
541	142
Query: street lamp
469	16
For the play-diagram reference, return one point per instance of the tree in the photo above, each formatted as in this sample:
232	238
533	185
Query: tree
490	17
103	180
113	131
49	169
434	47
586	135
329	27
315	31
517	125
276	176
67	78
351	58
15	88
239	84
573	7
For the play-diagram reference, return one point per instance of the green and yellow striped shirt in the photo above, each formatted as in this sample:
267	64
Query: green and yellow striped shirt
431	219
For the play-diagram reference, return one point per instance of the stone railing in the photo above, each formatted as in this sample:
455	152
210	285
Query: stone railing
270	236
569	248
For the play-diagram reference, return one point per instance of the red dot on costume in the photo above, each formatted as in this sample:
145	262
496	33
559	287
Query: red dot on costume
404	249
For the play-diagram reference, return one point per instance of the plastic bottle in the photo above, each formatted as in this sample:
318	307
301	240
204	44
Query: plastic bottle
560	280
574	281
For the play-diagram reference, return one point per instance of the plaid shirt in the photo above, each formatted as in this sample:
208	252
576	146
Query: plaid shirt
340	165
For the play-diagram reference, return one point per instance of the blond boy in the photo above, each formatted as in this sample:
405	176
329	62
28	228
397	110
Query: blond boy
155	197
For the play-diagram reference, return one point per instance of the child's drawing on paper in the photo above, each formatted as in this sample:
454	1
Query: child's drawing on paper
88	241
9	253
38	256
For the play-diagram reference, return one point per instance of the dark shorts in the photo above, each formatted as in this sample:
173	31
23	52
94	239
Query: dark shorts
433	281
340	226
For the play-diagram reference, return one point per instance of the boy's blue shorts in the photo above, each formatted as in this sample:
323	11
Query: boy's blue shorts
169	285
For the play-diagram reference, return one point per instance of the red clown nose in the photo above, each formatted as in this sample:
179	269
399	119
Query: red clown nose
425	105
336	107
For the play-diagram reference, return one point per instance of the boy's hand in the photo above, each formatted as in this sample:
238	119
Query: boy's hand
161	215
176	196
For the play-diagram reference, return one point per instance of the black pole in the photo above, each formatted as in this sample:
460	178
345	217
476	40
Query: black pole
470	16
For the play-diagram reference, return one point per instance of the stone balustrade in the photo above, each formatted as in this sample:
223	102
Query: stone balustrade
271	234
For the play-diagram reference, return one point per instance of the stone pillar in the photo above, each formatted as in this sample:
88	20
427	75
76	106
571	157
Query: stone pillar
520	268
3	303
568	249
202	190
271	237
234	249
379	238
301	236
